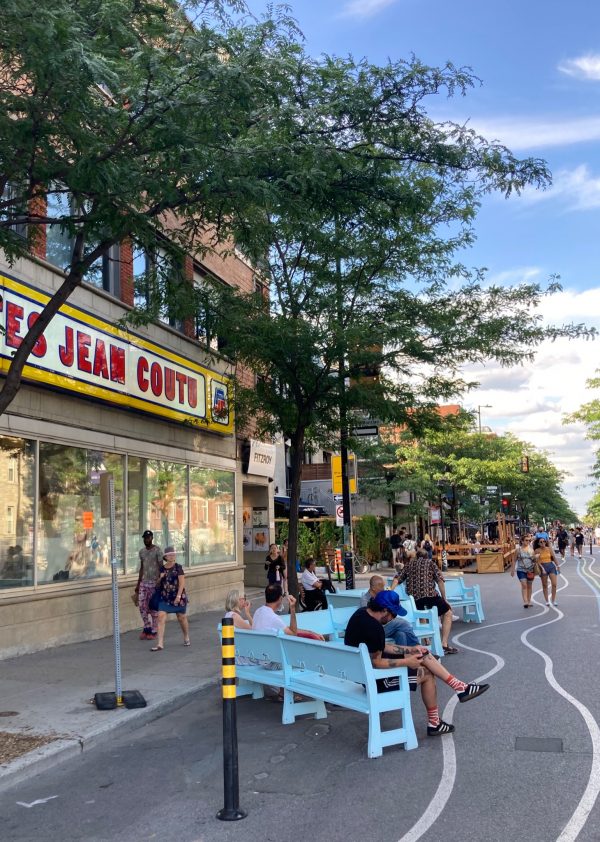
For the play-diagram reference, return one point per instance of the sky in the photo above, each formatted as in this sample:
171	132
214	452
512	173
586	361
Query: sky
539	64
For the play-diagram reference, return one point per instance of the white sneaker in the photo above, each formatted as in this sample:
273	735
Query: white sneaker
555	603
547	605
455	617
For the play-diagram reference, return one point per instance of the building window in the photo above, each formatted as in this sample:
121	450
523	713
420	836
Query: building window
104	273
172	280
326	457
10	519
11	206
204	321
12	469
16	533
143	267
59	240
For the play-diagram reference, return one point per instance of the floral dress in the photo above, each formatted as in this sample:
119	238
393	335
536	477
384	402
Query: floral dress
169	585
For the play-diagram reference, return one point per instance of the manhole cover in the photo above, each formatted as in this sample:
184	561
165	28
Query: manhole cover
539	744
9	712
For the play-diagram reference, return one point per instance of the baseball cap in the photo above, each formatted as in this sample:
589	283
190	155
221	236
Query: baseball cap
391	602
148	534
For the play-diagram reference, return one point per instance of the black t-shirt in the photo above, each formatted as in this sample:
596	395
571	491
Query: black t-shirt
395	542
563	537
579	538
362	628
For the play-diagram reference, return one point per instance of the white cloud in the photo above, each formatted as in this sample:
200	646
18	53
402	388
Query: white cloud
583	67
365	8
520	133
530	400
578	189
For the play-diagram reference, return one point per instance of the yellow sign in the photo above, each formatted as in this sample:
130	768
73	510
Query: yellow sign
82	353
336	474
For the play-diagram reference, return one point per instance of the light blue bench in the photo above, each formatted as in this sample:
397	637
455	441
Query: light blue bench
466	597
328	672
342	599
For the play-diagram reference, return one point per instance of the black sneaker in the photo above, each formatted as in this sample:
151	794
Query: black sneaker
471	691
441	728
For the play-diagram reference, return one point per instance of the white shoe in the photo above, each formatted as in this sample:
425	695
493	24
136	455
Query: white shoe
555	603
455	617
547	605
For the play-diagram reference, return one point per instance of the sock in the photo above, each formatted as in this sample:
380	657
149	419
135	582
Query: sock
455	683
433	717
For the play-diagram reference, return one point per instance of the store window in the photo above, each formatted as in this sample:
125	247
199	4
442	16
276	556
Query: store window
212	527
73	540
157	500
16	528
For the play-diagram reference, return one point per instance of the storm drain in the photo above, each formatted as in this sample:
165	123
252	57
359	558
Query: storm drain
539	744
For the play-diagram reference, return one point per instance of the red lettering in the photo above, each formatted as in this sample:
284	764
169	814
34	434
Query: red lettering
66	352
14	314
83	346
192	392
41	346
181	381
156	379
117	364
142	374
169	383
100	364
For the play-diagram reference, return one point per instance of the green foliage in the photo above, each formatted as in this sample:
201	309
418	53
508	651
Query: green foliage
368	534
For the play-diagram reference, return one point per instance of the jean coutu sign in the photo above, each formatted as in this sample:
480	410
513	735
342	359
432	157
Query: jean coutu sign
82	353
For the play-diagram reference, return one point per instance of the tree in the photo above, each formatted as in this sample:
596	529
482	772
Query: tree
125	120
371	313
466	462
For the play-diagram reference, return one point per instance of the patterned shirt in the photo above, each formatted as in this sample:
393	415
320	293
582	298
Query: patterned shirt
420	575
151	560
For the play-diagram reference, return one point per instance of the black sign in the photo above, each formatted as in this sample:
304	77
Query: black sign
349	570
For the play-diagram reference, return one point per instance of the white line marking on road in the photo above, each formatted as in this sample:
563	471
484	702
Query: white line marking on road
37	801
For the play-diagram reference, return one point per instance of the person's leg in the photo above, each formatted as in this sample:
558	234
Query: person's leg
162	619
523	583
185	627
145	592
544	579
529	586
553	584
446	627
401	632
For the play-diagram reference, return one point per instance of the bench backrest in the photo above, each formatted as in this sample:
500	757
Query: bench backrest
258	645
333	659
345	598
341	616
315	621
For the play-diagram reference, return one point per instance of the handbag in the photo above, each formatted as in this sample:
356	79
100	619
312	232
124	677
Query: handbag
154	600
530	575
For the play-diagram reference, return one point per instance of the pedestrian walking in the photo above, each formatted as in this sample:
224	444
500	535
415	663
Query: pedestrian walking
150	562
544	555
579	539
562	539
173	598
427	545
524	564
275	567
572	543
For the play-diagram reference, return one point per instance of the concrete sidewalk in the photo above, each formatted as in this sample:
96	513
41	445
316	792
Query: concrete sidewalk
50	693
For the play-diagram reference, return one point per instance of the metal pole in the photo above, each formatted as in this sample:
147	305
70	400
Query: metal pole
346	502
444	553
231	784
115	592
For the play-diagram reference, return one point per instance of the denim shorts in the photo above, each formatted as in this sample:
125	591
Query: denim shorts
522	574
549	567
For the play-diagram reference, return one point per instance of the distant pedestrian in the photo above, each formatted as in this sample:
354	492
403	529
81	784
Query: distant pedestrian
150	562
427	544
579	539
547	560
524	565
173	598
562	539
422	575
275	567
395	544
572	543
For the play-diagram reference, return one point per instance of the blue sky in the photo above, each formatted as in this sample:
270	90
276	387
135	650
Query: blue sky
540	67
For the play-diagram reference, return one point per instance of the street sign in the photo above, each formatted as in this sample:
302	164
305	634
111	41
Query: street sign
434	515
365	431
336	474
339	515
492	489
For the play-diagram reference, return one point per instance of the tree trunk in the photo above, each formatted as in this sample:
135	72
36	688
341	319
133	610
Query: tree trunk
296	450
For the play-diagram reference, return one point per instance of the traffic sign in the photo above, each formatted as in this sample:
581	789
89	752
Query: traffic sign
492	489
339	515
365	431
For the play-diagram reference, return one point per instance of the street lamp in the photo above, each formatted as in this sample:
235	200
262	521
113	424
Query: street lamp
479	408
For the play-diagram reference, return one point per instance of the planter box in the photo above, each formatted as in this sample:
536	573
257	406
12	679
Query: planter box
490	563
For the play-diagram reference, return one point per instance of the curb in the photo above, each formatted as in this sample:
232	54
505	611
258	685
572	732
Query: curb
46	757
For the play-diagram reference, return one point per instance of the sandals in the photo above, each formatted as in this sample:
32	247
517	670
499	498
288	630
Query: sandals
157	648
187	642
450	650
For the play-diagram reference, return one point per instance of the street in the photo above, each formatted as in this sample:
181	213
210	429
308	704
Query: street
524	762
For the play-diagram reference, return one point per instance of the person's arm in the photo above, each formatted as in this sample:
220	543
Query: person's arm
438	578
180	587
139	581
239	622
379	662
292	629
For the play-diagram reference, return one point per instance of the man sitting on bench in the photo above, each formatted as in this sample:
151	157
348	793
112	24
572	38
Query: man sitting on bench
398	630
366	626
313	586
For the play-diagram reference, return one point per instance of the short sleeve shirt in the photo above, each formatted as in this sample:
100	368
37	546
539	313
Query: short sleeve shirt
265	619
421	575
362	628
308	580
151	560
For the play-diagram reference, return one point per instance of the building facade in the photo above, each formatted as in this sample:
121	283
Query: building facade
150	405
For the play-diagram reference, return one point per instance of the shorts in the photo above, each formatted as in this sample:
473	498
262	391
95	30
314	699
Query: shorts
385	685
427	602
522	574
549	567
168	608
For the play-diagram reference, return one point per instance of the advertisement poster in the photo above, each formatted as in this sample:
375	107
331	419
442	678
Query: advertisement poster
247	516
260	539
259	517
248	538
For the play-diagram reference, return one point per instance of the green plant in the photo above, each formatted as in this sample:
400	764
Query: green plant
367	531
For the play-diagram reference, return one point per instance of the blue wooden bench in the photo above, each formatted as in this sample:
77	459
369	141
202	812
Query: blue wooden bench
325	672
466	597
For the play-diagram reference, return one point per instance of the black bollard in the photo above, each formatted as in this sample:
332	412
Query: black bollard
231	812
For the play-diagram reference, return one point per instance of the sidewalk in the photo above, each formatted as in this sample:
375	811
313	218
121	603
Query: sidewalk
49	693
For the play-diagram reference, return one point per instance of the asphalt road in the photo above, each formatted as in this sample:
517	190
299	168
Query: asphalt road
313	781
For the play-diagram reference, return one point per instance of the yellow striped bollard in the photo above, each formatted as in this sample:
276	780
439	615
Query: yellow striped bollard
231	812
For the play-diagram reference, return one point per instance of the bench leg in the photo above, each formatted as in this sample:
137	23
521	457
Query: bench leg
405	736
292	709
250	688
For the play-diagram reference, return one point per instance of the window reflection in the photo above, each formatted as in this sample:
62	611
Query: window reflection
212	521
73	539
17	465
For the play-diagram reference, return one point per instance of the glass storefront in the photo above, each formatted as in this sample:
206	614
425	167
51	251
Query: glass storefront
188	507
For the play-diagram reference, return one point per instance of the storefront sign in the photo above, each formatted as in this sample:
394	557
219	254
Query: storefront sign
262	459
81	353
434	515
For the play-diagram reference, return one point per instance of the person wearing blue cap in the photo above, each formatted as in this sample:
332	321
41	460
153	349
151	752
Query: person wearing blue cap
366	626
398	630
